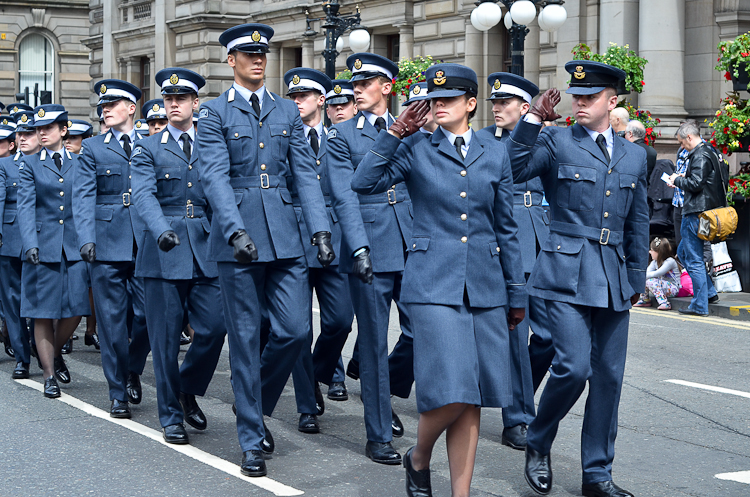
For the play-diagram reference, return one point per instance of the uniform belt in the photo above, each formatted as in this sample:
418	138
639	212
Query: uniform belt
123	199
390	197
527	199
261	181
188	210
604	236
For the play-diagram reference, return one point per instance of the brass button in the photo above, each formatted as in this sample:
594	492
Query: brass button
61	221
236	135
632	185
498	249
108	171
130	177
463	173
62	194
319	176
166	175
559	247
608	193
190	167
284	132
578	175
414	245
130	190
463	217
606	214
317	162
190	185
189	201
609	172
464	239
59	179
393	187
15	184
260	124
463	194
261	145
62	207
262	167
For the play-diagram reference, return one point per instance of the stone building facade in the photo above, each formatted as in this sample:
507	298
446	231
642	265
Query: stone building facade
40	46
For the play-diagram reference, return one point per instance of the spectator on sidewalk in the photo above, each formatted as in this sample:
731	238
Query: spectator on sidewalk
618	119
662	275
636	133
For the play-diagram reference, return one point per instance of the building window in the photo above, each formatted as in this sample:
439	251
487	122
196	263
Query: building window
142	11
145	79
36	67
393	48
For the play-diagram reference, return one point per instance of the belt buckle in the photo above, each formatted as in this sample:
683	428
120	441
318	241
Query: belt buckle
602	240
527	200
189	211
265	181
126	199
391	196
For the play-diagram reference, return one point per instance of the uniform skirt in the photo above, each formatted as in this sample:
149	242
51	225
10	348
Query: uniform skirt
55	290
461	355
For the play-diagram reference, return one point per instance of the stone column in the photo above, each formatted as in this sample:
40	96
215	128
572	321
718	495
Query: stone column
109	66
618	22
274	76
662	42
406	41
308	53
474	57
531	51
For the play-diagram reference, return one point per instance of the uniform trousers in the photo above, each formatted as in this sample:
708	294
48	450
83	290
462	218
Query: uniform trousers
400	360
590	345
167	303
372	306
258	379
541	348
116	290
336	316
10	296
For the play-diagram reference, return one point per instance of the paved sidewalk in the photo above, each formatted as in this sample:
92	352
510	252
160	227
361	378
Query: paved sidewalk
730	306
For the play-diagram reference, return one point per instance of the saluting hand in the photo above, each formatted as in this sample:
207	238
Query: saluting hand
322	239
168	240
244	247
410	120
515	316
362	266
32	256
544	108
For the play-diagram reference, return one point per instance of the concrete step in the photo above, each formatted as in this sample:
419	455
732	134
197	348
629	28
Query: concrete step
730	306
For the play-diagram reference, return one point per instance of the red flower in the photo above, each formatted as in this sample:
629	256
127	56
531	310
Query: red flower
649	131
726	131
568	121
728	76
643	83
734	131
393	93
724	150
733	181
735	119
408	80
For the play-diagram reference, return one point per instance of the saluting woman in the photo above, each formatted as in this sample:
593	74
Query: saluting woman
54	279
462	283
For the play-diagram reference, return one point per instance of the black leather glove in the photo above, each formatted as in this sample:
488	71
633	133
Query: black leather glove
322	239
88	252
544	108
362	266
32	256
168	240
244	247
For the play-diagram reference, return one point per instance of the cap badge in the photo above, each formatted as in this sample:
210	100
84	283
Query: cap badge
174	79
70	124
497	84
24	118
295	80
5	121
15	109
579	74
358	64
255	36
416	89
138	124
156	108
40	113
439	78
337	89
103	89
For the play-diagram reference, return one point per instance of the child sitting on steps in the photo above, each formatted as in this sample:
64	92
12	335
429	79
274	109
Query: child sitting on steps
662	275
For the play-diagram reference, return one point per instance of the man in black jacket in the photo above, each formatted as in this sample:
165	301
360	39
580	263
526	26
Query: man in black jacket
636	133
704	184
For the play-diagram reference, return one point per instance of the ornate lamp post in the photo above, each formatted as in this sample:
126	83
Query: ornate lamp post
335	26
519	14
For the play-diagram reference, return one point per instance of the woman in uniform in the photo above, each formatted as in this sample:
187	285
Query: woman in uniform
54	279
462	283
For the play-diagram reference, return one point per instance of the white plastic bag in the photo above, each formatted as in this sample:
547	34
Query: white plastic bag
725	277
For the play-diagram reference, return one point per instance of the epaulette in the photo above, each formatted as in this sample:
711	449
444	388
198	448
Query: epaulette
108	137
270	95
361	122
18	154
165	137
67	152
43	155
230	95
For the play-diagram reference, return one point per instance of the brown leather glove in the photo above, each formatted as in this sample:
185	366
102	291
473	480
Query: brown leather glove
544	108
411	119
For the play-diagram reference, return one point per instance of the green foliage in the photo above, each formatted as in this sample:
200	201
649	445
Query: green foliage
347	74
732	54
738	185
411	71
731	123
617	56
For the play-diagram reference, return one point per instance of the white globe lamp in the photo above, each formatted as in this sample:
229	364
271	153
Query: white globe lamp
542	22
340	44
554	17
359	40
523	11
508	20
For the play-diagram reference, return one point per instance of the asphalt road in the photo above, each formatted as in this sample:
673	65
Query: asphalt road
674	438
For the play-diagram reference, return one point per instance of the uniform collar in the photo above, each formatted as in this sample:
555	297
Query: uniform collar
318	128
247	94
608	137
53	152
176	133
118	134
372	117
452	138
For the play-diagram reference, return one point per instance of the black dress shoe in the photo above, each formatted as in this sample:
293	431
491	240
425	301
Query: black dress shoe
515	437
51	389
691	312
604	489
184	339
74	337
193	414
92	339
714	299
382	453
417	482
61	370
119	409
308	423
21	372
337	391
538	471
133	387
234	408
396	426
267	444
176	434
320	404
253	463
67	348
352	369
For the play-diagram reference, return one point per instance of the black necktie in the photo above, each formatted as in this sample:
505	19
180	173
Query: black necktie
255	103
126	145
380	124
185	139
58	160
459	143
313	136
602	142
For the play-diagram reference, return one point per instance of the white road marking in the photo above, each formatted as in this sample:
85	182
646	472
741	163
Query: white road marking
710	388
739	476
211	460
